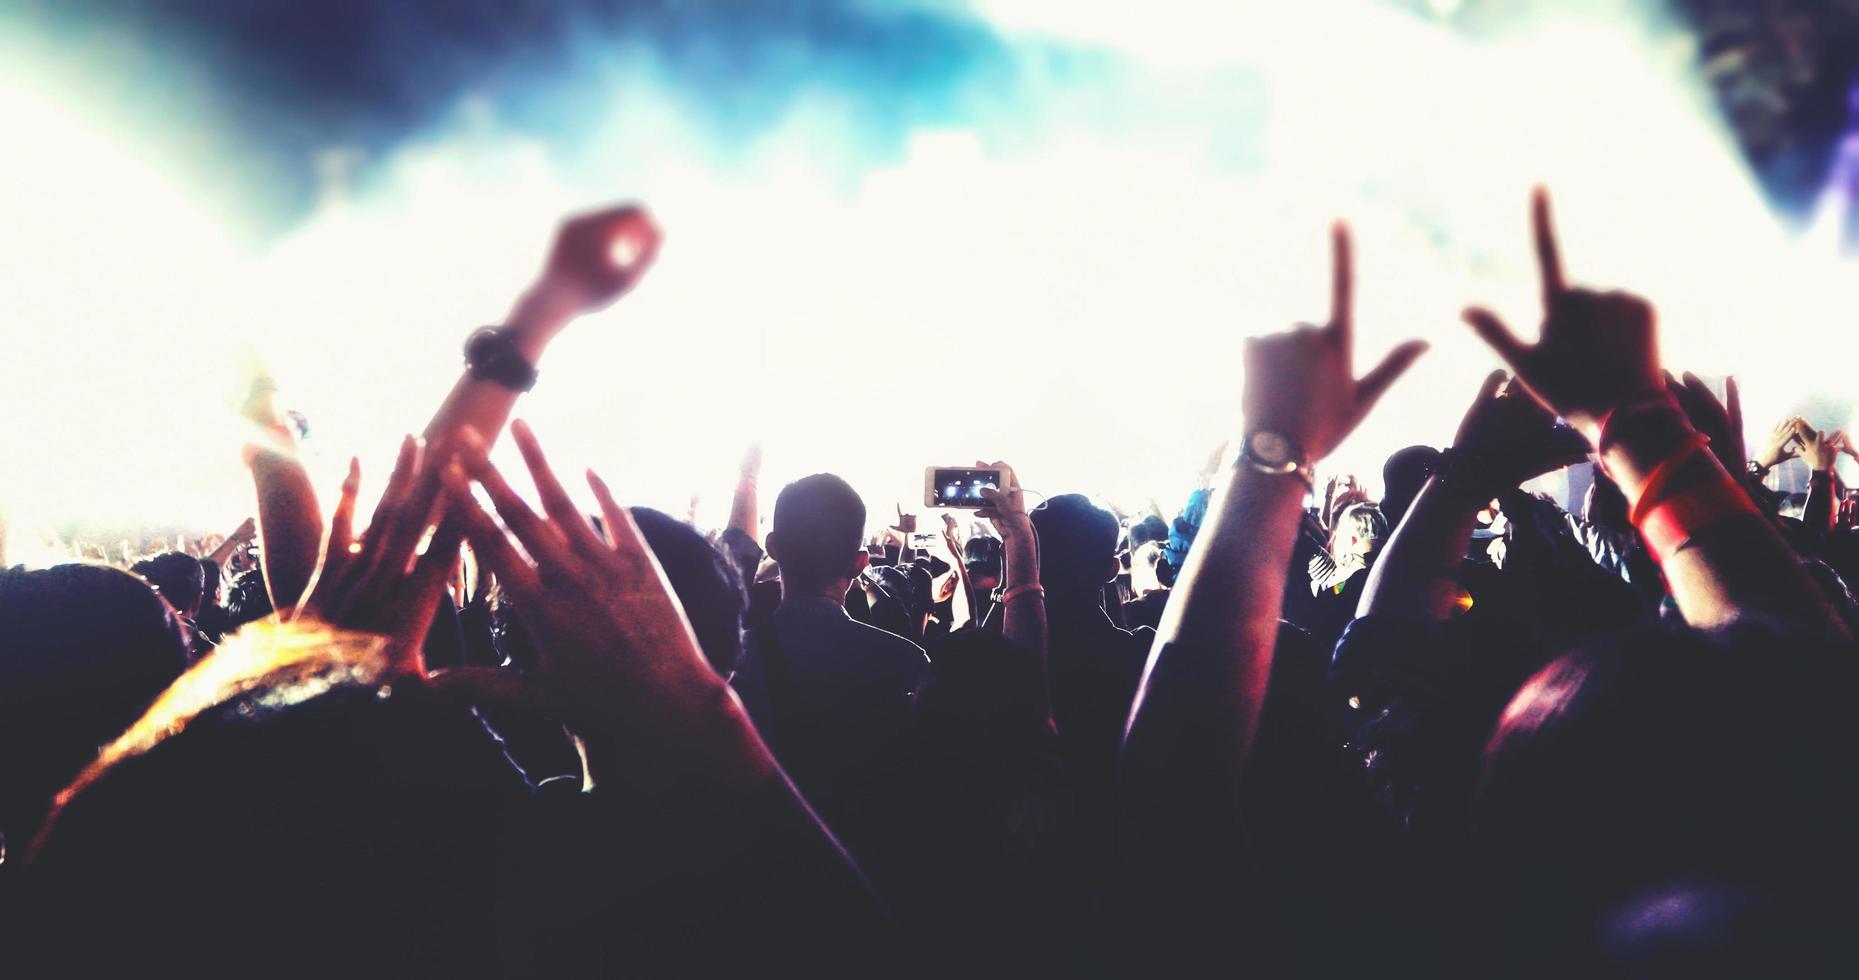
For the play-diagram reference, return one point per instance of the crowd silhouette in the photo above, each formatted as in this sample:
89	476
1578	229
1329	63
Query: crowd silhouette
1454	729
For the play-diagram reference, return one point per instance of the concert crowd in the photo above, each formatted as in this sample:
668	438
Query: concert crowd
1461	728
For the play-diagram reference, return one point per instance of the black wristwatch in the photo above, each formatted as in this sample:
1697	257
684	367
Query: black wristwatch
491	355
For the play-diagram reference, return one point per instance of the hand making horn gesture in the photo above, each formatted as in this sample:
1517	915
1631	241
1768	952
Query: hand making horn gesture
1596	351
1302	383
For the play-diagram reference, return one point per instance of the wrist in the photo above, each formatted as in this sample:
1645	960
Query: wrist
535	320
1014	526
1638	444
1259	489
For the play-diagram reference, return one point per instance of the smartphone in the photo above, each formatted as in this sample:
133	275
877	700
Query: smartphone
958	486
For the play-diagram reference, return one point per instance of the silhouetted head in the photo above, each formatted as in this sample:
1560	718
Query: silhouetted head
247	599
1402	476
275	783
1360	529
818	535
1077	544
706	583
981	554
1150	528
1675	798
86	648
177	576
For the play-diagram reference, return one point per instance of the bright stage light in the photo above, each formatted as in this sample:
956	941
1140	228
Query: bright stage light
1063	285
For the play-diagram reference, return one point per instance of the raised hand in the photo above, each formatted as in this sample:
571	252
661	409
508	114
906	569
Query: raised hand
1845	445
378	582
246	532
597	257
949	537
1781	444
1820	450
610	635
1301	384
1596	352
1006	505
1508	438
751	466
1720	422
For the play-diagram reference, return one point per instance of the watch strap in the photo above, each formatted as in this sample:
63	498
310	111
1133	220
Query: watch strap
491	355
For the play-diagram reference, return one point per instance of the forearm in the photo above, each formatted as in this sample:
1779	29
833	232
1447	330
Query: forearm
1818	513
1023	616
744	512
486	405
225	551
961	605
290	525
1190	732
1417	575
1022	621
1735	566
1224	610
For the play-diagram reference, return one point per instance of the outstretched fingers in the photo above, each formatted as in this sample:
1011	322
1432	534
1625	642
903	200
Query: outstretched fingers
488	540
1548	253
406	463
624	538
556	503
1489	388
1342	287
1377	382
542	542
342	520
1493	332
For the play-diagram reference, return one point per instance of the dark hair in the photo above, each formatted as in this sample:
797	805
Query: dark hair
1150	528
267	784
1077	543
177	576
248	599
1402	476
706	583
819	527
87	648
1692	787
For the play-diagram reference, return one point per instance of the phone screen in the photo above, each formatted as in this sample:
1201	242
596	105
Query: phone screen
960	486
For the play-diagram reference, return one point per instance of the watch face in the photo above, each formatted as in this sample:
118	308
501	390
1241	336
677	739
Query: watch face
1270	448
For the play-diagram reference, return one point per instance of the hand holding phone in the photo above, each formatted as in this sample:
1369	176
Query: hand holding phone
958	486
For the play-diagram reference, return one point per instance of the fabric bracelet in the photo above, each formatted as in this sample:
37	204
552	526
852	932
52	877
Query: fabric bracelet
1662	475
1020	590
1671	522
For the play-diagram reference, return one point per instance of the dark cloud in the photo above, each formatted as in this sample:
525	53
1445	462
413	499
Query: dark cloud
282	79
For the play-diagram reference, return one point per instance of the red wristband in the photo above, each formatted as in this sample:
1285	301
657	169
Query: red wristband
1671	522
1661	475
